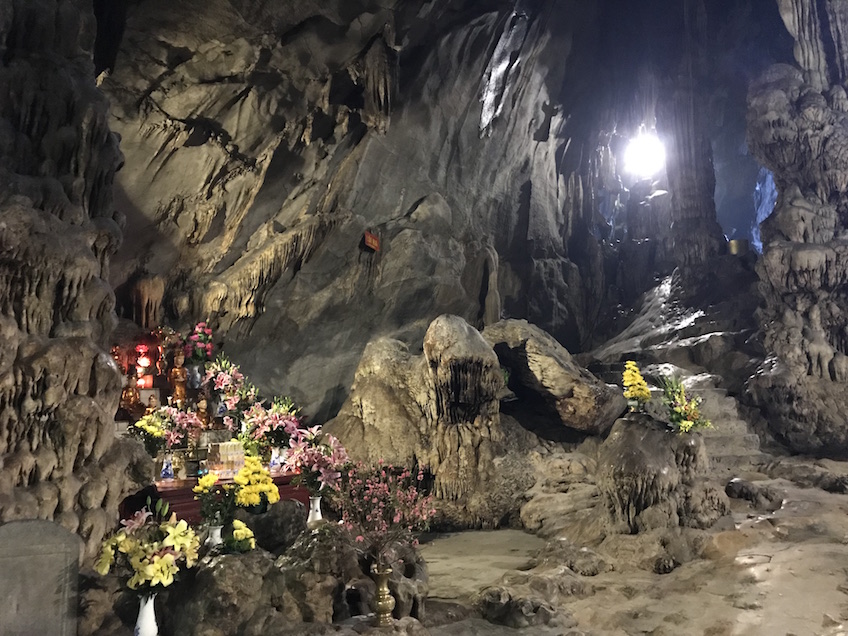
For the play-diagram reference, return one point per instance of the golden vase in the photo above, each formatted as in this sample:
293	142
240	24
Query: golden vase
384	602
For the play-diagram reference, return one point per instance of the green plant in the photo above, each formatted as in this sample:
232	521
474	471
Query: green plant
684	412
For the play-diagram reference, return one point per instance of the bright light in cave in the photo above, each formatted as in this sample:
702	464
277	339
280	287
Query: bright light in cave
644	156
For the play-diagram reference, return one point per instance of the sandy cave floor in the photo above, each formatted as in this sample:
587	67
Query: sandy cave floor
778	574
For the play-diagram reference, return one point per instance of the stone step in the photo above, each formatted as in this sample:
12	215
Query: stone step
734	444
726	427
727	465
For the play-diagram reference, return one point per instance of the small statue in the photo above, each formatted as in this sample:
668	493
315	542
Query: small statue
202	413
130	397
152	405
177	378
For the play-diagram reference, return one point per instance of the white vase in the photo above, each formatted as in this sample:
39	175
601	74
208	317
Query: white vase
146	625
314	519
215	536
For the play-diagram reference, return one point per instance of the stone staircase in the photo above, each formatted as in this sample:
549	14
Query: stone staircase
731	444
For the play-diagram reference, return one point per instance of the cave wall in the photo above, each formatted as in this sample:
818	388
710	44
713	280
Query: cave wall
58	387
263	139
798	128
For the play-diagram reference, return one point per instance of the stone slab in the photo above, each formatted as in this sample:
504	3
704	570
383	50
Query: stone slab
39	561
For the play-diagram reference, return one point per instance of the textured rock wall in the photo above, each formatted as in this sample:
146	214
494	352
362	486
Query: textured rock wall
58	387
798	128
263	139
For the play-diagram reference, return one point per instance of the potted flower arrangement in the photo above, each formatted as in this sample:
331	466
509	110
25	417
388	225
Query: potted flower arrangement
255	488
381	507
684	413
150	549
169	428
198	346
268	428
636	390
230	390
217	505
241	538
169	424
317	460
197	349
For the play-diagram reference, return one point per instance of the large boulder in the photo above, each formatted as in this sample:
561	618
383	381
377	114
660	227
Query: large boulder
440	411
426	410
652	478
541	368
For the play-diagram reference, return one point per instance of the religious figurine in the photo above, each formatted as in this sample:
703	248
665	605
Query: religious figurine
130	397
152	405
177	377
202	413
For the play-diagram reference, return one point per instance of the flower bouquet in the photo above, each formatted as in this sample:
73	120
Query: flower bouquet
636	390
198	346
267	428
167	427
231	390
241	539
255	489
683	412
317	459
381	507
149	549
217	501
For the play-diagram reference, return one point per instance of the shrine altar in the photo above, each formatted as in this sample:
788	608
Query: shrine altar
178	493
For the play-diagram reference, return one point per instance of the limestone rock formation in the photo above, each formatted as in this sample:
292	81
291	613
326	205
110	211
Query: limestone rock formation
540	366
262	141
525	599
58	230
798	128
439	411
277	529
651	478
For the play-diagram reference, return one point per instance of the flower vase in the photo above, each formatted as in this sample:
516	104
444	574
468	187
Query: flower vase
196	371
167	471
315	519
145	624
260	508
384	602
215	537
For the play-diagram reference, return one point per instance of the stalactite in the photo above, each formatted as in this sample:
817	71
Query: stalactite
379	71
239	292
802	20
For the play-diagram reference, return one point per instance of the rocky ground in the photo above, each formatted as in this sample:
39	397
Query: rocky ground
760	573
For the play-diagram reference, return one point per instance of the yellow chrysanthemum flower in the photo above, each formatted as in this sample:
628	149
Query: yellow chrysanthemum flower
205	483
635	387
